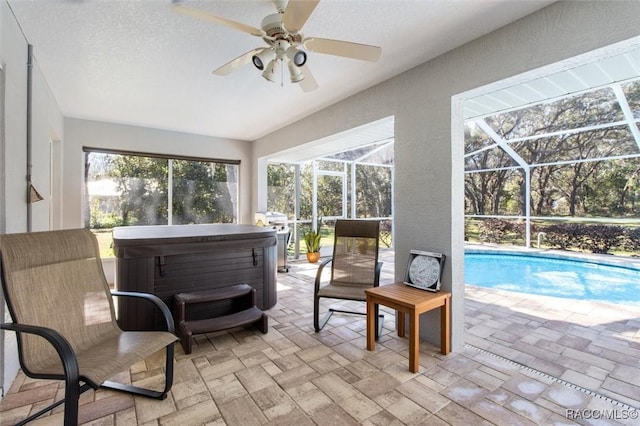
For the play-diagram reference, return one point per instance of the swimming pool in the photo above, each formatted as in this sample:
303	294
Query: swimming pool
553	276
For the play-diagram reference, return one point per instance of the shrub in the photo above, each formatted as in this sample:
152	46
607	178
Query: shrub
601	238
631	240
496	230
561	235
593	238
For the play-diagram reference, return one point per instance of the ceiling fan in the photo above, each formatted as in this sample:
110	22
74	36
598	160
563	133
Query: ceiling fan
282	33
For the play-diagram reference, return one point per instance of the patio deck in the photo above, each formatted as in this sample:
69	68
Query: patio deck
528	360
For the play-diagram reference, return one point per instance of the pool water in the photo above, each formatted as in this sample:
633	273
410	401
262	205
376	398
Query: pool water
558	277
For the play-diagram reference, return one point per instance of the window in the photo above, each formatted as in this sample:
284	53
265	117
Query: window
123	189
354	183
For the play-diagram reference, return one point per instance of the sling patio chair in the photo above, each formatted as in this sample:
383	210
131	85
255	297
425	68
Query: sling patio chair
354	268
63	314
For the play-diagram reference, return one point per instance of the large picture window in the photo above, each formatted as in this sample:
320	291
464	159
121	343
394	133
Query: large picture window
123	189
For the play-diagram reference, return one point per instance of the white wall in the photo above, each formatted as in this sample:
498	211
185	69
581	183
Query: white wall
46	121
14	57
95	134
47	126
428	178
13	54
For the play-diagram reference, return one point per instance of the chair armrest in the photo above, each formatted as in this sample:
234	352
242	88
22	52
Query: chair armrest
319	274
376	278
59	343
156	301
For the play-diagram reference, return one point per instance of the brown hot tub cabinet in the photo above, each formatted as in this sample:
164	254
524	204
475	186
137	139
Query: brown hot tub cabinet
166	260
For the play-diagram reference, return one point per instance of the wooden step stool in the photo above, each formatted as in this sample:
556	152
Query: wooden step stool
250	315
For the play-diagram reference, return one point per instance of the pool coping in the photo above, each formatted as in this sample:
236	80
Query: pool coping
605	259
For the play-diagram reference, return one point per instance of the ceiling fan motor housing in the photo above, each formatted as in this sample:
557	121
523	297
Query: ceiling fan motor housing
274	29
272	26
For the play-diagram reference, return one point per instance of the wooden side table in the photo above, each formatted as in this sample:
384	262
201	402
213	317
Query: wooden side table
409	300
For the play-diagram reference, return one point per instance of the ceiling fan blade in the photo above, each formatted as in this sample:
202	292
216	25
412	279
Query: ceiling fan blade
363	52
297	13
236	63
206	16
308	83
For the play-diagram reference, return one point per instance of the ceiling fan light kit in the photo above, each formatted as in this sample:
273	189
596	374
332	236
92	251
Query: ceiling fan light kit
296	56
281	32
295	73
270	72
264	57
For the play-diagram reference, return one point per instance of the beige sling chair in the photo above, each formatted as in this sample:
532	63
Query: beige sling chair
354	268
64	318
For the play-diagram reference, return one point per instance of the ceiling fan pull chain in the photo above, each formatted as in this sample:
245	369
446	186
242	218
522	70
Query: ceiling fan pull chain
281	72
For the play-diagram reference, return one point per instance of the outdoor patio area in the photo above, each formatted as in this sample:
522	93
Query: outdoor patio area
527	360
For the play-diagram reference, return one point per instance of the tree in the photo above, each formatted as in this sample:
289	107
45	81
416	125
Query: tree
373	191
484	190
142	184
566	170
281	188
202	192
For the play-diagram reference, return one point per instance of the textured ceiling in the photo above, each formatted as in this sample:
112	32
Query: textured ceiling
137	62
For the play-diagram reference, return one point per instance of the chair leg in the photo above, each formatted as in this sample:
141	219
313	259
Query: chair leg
168	369
316	308
70	407
148	392
71	396
324	320
72	389
319	324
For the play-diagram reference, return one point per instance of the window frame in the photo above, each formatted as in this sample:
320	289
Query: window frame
169	157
